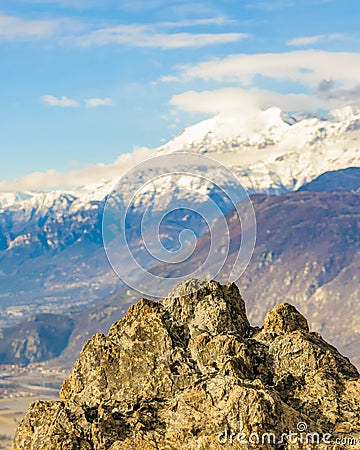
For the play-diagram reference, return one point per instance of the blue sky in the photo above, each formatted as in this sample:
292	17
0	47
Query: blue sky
83	81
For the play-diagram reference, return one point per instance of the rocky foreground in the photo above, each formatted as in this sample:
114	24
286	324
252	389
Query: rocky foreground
191	373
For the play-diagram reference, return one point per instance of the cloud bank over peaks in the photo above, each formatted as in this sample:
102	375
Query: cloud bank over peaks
303	80
52	179
241	102
307	67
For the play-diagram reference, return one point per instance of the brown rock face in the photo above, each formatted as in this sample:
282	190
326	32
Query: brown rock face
190	373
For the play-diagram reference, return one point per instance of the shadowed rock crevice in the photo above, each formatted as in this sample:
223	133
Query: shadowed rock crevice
185	372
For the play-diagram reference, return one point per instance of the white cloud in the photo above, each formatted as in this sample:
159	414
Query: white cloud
328	90
220	20
307	67
148	36
66	102
274	5
18	29
244	102
68	3
173	8
271	5
304	41
225	101
51	179
323	80
62	102
317	39
75	33
95	102
14	28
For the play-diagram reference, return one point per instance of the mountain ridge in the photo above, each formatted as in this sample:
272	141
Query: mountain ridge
272	165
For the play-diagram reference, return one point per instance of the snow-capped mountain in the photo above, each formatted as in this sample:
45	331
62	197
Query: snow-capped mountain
273	152
270	152
9	198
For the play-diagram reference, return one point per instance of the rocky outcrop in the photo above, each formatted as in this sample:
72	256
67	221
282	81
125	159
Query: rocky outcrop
191	373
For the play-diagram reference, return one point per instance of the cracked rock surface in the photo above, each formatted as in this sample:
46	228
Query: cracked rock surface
190	373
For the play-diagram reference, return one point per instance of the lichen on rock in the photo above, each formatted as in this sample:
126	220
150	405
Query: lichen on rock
190	373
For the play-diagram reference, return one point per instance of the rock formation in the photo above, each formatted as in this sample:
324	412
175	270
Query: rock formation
190	373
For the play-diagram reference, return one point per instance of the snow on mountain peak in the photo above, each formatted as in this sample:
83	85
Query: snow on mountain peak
347	113
257	128
275	152
226	127
269	151
10	198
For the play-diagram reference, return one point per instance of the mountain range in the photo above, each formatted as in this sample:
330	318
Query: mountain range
307	253
52	258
